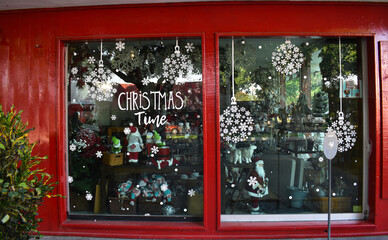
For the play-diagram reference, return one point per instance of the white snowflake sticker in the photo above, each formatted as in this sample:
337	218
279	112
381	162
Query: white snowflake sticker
89	196
74	70
154	150
236	123
120	46
345	131
189	47
287	58
73	147
113	117
127	130
164	187
70	179
145	81
252	181
99	154
91	60
191	193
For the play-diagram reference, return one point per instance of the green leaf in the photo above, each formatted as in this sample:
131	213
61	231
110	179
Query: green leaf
2	146
23	185
38	191
5	219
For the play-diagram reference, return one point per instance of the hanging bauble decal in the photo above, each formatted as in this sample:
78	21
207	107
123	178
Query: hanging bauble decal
287	58
177	67
345	132
103	87
236	123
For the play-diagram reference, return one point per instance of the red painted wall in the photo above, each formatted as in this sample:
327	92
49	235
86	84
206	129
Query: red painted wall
31	78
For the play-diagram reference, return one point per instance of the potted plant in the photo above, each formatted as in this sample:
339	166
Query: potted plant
23	186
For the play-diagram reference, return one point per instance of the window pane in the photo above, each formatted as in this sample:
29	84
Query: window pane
287	97
135	129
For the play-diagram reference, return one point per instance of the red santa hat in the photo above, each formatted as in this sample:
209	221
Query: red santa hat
132	128
257	160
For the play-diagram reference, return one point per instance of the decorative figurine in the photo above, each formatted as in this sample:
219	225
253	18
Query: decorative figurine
116	148
135	144
257	186
128	190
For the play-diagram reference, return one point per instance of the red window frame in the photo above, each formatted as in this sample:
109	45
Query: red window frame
212	226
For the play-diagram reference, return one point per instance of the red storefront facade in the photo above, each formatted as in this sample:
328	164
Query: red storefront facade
32	61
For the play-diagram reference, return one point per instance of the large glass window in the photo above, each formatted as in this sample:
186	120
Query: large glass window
135	148
279	97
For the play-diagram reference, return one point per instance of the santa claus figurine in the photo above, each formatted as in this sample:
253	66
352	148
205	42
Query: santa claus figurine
135	144
257	186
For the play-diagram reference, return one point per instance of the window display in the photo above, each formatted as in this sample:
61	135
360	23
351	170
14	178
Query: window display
135	145
279	99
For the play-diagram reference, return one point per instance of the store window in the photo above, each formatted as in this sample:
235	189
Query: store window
279	98
135	145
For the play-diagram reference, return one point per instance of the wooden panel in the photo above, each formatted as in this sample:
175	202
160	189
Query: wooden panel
384	102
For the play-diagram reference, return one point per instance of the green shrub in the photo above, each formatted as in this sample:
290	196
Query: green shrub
23	186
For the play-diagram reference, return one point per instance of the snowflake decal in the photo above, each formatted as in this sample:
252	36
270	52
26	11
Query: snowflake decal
113	117
176	66
189	47
73	147
191	193
120	46
89	196
74	70
345	132
154	150
145	81
126	60
99	154
252	181
91	60
102	86
70	179
164	187
236	123
287	58
127	130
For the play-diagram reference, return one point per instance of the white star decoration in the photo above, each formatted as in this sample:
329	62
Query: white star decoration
113	117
